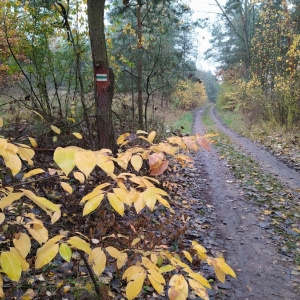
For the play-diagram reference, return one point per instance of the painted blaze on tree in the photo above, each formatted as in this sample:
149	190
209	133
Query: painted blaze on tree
104	89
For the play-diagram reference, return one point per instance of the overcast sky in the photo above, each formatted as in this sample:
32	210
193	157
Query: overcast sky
203	9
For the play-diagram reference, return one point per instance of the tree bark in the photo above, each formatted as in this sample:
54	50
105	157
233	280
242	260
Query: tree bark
140	66
103	98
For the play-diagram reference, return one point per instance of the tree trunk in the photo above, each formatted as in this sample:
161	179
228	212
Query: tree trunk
104	96
140	67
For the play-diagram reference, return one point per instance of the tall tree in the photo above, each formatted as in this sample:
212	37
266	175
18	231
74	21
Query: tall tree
103	95
232	38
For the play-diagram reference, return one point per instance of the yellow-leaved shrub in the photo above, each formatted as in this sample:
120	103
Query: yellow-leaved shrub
188	94
128	187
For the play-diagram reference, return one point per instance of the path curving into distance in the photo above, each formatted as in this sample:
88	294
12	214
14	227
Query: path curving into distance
267	161
262	272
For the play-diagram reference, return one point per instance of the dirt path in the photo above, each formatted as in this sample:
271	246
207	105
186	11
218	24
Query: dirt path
262	273
267	161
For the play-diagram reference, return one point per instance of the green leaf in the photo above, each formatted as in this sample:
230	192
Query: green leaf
65	252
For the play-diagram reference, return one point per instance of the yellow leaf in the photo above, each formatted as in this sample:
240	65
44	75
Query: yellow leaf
267	212
188	256
55	217
121	260
158	191
33	142
65	158
157	286
79	176
11	265
85	161
24	263
105	163
54	139
178	288
1	122
220	274
163	201
139	204
1	288
199	289
151	136
116	203
157	276
50	242
200	279
122	195
65	252
23	244
115	253
99	263
41	202
122	137
225	267
135	241
8	200
26	153
167	268
55	129
12	161
149	198
92	204
78	135
45	255
36	235
80	244
141	132
33	172
201	250
66	187
136	162
131	272
296	230
134	287
123	159
2	218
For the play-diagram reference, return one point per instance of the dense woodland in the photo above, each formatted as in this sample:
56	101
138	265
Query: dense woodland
85	88
257	44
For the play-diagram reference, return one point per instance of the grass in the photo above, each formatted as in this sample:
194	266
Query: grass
185	123
234	121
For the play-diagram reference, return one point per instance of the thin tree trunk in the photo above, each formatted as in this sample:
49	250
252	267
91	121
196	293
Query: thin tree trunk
140	67
104	97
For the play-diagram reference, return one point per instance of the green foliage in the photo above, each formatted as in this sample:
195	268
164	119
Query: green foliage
189	95
185	124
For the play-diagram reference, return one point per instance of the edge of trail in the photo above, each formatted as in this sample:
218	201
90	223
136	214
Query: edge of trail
266	160
262	272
